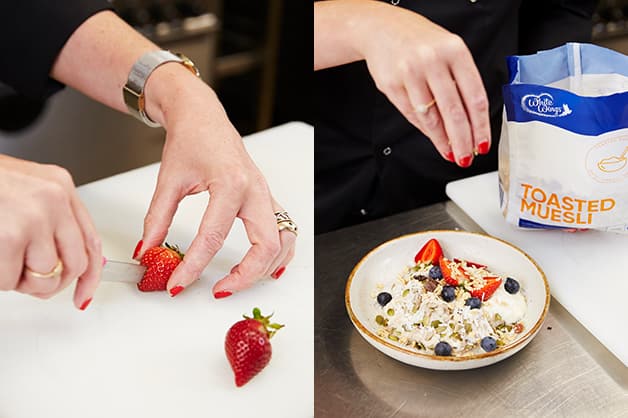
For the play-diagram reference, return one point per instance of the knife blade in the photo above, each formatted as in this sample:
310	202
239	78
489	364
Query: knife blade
120	271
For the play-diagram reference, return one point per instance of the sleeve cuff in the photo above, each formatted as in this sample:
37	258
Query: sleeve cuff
39	31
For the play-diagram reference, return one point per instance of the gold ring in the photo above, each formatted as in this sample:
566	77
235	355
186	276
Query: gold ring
56	271
285	222
423	108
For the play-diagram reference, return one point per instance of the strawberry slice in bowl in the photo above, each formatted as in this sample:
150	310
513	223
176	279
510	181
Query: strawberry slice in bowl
483	287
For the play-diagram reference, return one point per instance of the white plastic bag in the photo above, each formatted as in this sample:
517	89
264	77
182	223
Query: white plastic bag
563	153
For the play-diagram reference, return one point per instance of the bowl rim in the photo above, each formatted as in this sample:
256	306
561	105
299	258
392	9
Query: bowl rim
495	353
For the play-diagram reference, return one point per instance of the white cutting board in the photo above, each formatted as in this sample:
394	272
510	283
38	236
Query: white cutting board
587	271
133	354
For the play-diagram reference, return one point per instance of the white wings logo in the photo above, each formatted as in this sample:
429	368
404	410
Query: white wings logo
543	105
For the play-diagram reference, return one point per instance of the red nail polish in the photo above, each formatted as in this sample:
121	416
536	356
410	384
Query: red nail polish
277	274
483	147
138	248
222	294
465	161
104	260
176	290
450	157
85	304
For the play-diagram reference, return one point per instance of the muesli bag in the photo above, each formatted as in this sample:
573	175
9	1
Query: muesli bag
563	152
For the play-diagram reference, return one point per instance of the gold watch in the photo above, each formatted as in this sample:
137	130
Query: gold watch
133	90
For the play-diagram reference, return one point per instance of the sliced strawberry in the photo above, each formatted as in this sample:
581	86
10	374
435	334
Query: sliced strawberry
447	272
491	284
430	253
470	263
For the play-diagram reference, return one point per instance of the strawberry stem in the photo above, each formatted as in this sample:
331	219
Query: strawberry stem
174	248
271	328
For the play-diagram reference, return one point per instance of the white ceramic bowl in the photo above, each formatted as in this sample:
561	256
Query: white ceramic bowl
383	264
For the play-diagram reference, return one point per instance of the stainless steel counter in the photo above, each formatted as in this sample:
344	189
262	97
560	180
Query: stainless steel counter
563	372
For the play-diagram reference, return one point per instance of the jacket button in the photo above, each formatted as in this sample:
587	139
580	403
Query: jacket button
363	212
386	151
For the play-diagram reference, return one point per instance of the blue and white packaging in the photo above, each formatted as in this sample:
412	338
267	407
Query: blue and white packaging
563	152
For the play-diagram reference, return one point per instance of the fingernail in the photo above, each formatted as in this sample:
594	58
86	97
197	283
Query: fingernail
176	290
277	274
450	157
483	147
104	260
465	161
85	304
138	248
222	294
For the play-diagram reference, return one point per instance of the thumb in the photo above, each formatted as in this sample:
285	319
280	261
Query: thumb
158	219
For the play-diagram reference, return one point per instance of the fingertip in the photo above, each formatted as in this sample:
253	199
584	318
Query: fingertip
85	304
138	249
484	146
176	290
222	294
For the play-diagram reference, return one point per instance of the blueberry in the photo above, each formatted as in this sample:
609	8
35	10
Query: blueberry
435	272
473	303
442	349
511	286
488	344
448	293
383	298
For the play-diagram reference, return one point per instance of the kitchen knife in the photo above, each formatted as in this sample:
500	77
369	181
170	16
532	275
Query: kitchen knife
120	271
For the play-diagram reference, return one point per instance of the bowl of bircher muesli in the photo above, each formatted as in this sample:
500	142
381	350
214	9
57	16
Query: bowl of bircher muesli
447	300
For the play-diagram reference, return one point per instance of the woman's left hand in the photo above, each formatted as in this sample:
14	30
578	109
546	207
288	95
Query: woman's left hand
204	152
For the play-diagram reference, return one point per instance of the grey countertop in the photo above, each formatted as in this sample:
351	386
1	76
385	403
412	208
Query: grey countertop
563	372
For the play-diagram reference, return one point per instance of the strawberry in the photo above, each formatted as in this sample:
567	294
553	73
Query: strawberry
160	262
453	273
430	253
470	263
247	346
485	289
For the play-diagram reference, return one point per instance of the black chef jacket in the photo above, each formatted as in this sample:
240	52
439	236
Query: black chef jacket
370	162
32	34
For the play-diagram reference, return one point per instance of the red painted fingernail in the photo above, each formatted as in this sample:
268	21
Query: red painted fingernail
483	147
104	260
465	161
85	304
176	290
277	274
450	157
222	294
138	248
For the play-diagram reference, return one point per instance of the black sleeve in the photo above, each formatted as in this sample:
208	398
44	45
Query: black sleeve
545	24
32	33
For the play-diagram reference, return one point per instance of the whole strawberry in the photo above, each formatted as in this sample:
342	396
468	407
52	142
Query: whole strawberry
160	262
248	346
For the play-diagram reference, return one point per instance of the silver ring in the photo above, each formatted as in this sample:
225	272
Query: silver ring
56	271
423	108
285	222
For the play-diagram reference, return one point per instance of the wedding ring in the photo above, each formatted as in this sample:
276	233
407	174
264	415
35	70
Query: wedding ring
285	222
56	271
423	108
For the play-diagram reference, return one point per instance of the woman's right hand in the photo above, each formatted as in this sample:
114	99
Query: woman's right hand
414	62
44	222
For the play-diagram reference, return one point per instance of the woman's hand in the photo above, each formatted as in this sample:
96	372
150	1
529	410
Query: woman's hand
427	72
44	222
204	152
